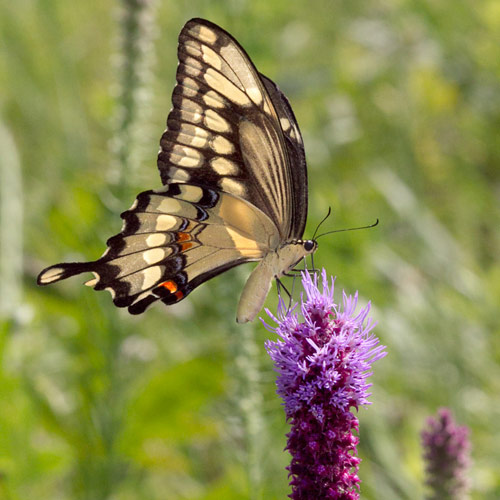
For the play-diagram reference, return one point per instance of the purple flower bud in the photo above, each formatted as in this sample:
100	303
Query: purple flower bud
323	358
447	457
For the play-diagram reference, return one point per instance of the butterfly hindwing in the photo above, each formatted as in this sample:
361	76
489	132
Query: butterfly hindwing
173	240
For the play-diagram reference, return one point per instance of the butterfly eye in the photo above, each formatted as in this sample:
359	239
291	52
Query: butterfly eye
309	245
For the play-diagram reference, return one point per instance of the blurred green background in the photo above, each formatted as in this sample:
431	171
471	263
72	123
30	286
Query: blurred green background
399	105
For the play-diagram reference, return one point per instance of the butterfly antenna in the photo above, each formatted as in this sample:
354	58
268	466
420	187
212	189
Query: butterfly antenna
349	229
319	225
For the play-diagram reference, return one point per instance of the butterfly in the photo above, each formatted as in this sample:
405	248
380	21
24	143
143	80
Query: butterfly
234	177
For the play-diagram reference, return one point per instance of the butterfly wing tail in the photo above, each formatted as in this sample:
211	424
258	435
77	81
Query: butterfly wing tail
60	272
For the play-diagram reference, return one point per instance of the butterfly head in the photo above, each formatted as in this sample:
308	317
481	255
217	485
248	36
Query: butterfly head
308	247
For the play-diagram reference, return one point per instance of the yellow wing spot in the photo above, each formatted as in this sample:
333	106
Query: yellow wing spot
232	186
150	276
185	156
190	84
191	106
184	160
196	141
216	122
191	193
185	150
165	222
153	256
170	205
193	67
156	239
255	94
51	275
285	123
189	116
221	145
226	87
191	111
193	135
213	99
222	166
203	33
188	91
192	48
178	174
211	57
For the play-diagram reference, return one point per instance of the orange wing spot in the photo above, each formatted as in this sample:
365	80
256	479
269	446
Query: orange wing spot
183	236
170	285
186	246
179	295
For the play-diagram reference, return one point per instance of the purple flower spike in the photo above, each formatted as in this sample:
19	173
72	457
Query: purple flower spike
446	454
323	358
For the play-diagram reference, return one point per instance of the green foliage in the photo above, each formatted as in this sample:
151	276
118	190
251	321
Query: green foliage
399	105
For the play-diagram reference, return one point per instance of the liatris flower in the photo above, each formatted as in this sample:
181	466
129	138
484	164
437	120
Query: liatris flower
323	358
446	453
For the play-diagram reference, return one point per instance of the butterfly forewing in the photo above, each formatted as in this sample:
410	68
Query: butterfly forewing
224	129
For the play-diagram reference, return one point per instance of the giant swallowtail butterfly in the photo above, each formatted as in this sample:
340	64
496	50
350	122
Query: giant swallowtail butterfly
235	187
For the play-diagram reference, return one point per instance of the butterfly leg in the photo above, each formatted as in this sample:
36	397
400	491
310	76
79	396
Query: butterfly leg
314	270
293	272
280	287
293	288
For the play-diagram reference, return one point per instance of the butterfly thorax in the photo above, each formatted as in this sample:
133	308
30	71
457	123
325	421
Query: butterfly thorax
288	255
